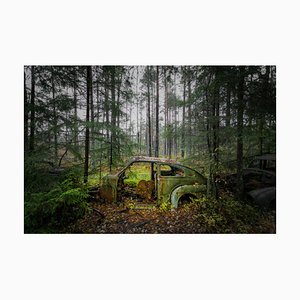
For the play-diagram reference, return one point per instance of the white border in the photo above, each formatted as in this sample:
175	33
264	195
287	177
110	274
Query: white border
149	266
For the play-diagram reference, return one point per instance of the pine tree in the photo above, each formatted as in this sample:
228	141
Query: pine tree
87	130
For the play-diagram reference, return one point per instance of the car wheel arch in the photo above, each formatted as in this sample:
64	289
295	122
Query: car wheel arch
185	191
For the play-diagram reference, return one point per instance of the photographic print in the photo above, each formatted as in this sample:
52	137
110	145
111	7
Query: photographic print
150	149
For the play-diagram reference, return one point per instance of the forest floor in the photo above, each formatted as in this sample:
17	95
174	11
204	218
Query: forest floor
145	218
139	218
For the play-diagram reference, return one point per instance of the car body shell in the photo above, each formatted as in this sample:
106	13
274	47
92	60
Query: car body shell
168	187
264	197
260	181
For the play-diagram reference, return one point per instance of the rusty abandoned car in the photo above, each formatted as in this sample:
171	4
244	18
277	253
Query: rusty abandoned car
163	181
259	181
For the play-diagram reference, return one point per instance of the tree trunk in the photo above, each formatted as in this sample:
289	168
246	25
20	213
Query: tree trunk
228	105
137	112
210	110
216	113
262	117
113	116
239	145
75	109
118	100
97	100
87	130
183	117
175	119
157	114
54	117
148	113
152	110
106	106
166	112
189	133
25	115
32	110
92	137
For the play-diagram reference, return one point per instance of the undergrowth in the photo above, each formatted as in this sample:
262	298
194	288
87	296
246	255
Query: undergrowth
49	210
227	215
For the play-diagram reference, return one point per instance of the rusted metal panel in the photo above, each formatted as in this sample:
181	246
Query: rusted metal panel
166	184
195	190
145	189
108	189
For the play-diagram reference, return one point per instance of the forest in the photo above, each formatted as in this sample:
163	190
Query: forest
82	123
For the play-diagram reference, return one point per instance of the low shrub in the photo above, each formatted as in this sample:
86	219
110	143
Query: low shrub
227	215
52	210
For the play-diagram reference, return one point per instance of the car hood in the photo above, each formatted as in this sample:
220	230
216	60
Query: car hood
263	197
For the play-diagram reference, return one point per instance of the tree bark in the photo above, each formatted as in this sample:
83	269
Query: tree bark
75	109
113	117
87	130
183	116
166	112
210	111
92	146
148	112
157	114
216	113
189	129
106	108
137	113
228	105
239	145
32	110
54	117
175	119
25	115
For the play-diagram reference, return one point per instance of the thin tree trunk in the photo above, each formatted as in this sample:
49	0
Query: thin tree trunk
152	110
99	143
157	114
113	116
75	110
106	105
54	117
137	110
183	117
228	105
118	100
87	130
148	113
189	113
210	110
25	115
32	110
208	116
216	113
175	119
141	131
98	101
239	145
92	137
262	117
166	112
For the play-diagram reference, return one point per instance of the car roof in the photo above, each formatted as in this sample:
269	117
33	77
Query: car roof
266	157
170	162
154	159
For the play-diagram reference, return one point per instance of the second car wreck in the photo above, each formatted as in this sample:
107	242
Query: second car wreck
259	181
166	181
